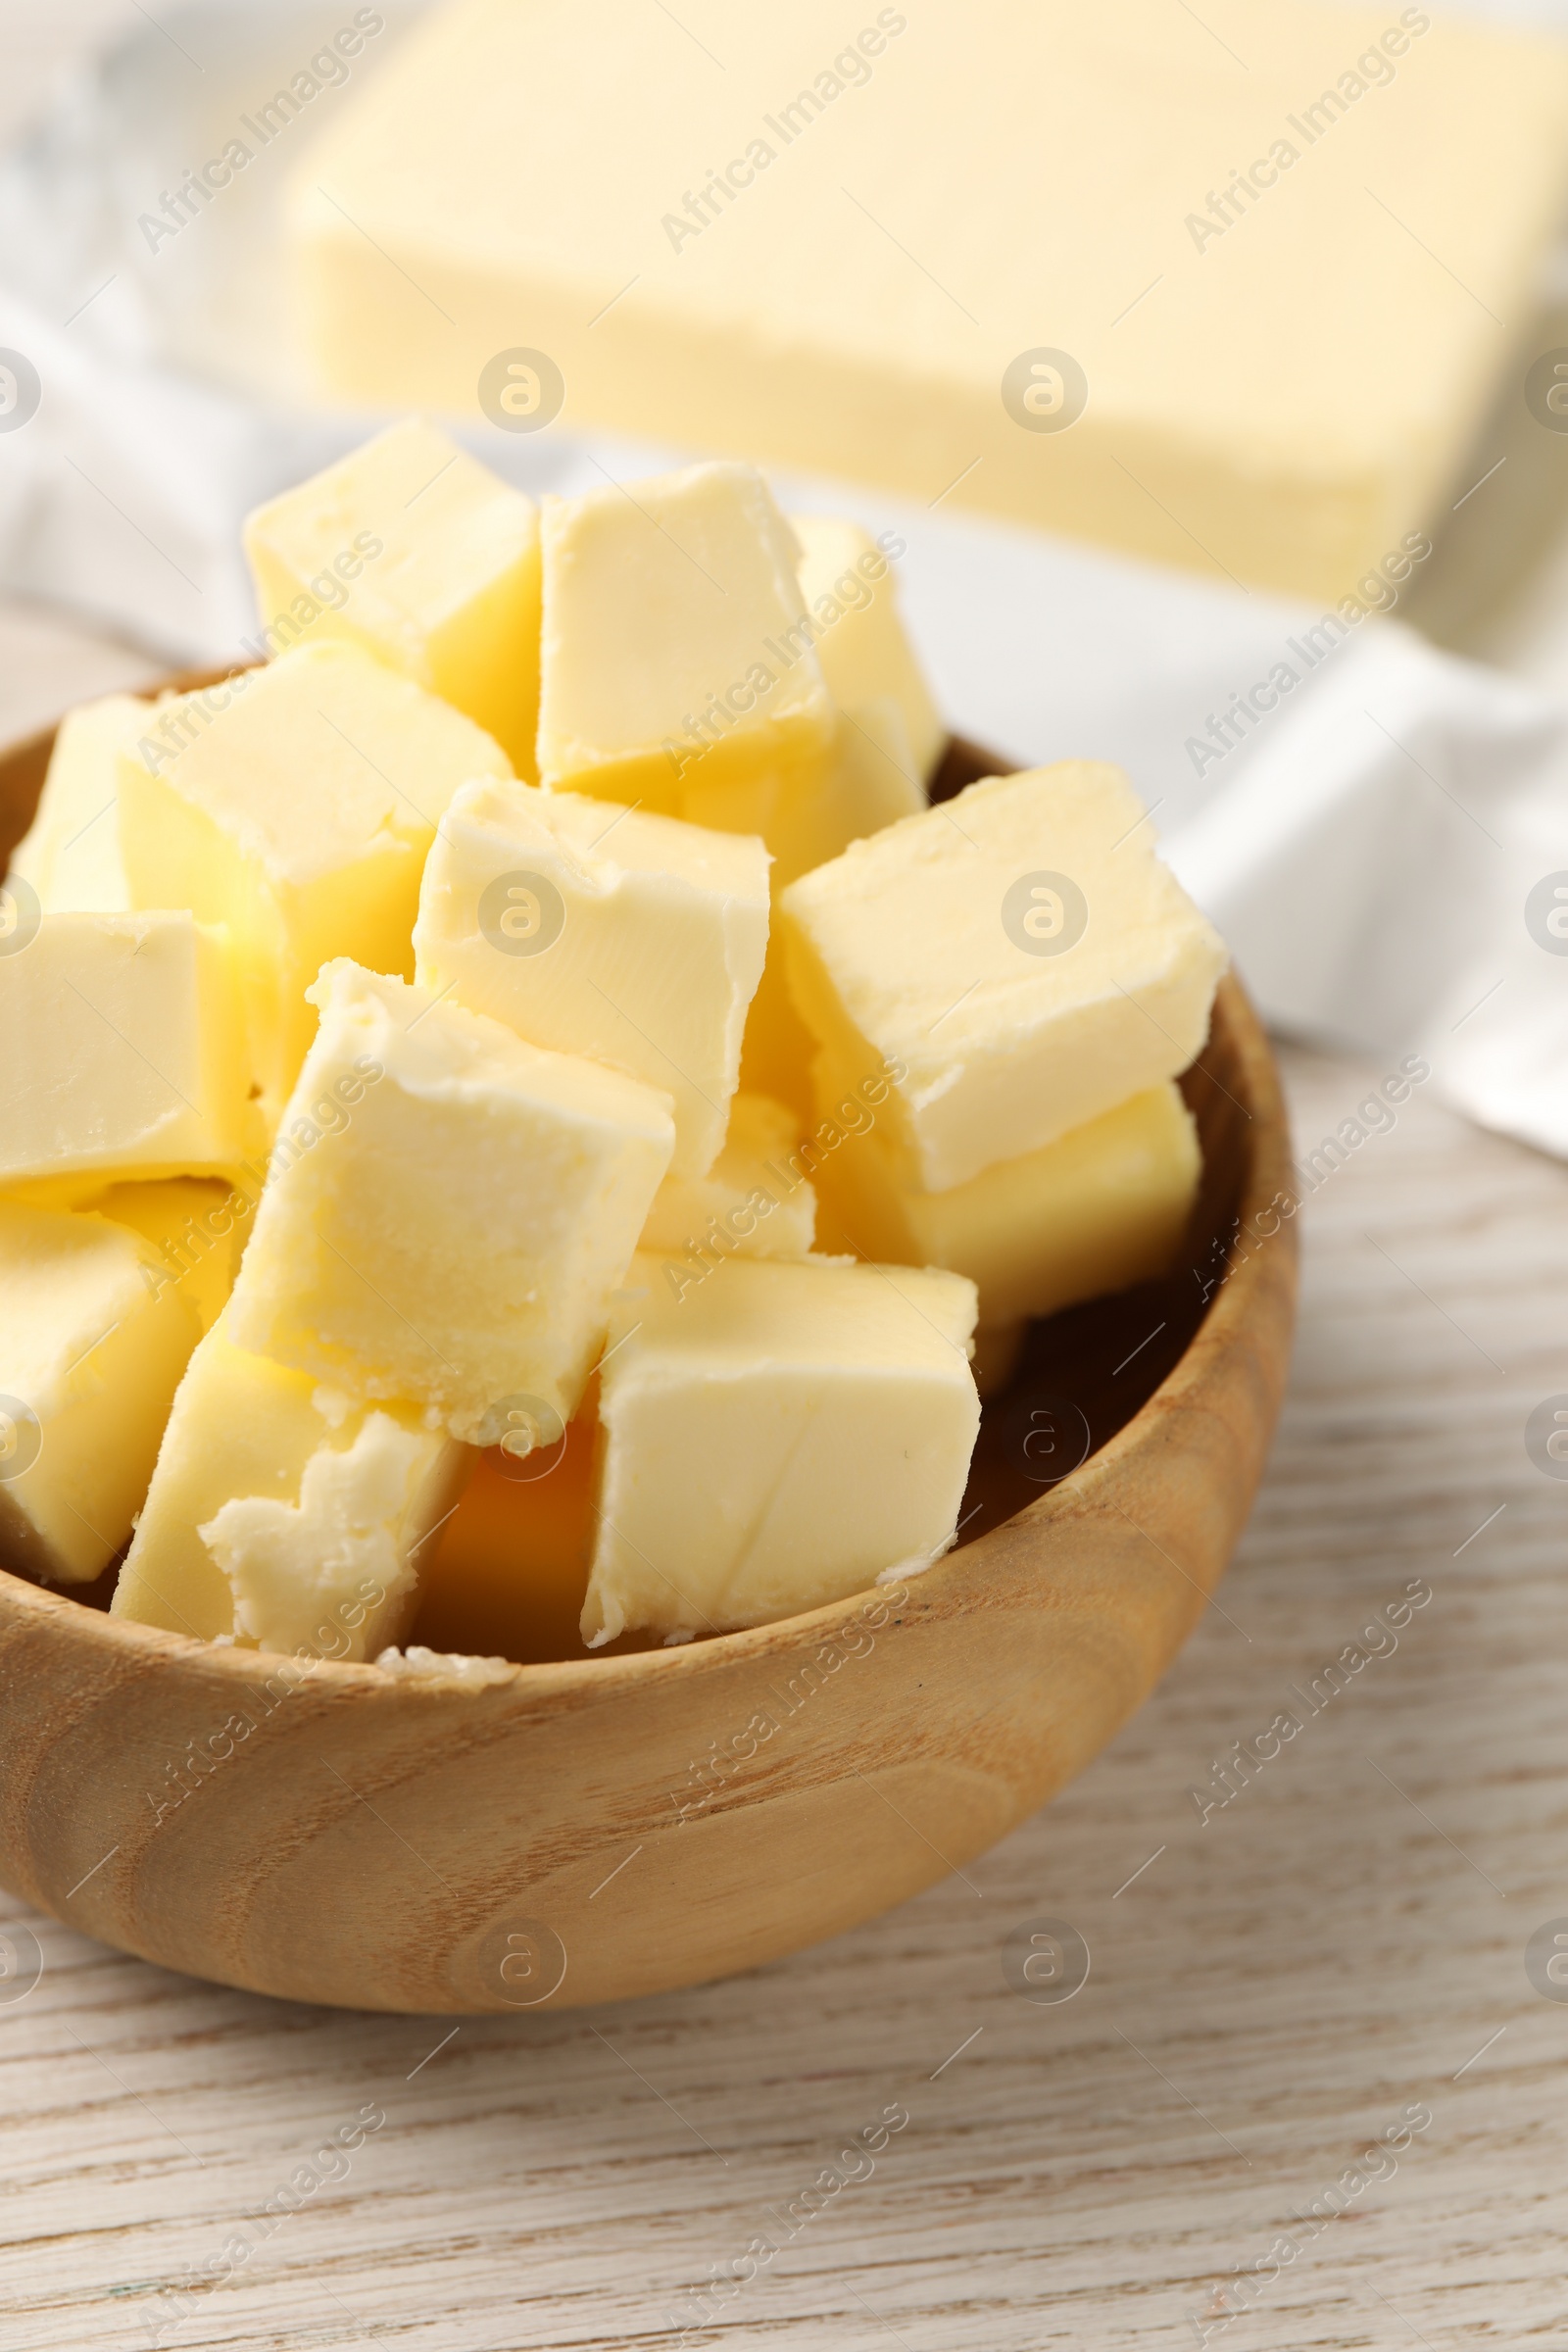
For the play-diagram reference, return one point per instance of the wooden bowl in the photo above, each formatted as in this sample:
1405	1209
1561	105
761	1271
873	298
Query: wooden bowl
585	1831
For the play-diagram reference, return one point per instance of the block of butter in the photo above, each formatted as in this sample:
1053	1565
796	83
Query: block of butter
676	665
1019	953
296	804
70	852
755	1202
414	550
634	939
775	1437
198	1230
454	1238
848	584
286	1515
122	1052
1277	307
1104	1207
870	780
91	1351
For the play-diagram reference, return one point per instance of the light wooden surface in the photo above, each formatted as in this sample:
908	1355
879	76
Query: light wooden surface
1277	1985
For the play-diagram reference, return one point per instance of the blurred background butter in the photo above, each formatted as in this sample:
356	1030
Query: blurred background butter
1203	373
1233	289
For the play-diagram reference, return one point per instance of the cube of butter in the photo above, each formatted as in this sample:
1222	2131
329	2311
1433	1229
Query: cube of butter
296	804
676	668
848	585
283	1514
870	780
1104	1207
1019	953
753	1202
198	1230
777	1436
122	1052
414	550
70	852
631	938
91	1351
455	1239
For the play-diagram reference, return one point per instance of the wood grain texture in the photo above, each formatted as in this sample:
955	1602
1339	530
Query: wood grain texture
344	1836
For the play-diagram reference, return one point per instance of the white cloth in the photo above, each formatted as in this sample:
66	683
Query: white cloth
1368	848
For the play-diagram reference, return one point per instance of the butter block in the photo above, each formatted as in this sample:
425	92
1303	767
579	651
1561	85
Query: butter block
775	1437
122	1052
1104	1207
296	804
778	1049
285	1515
634	939
848	584
753	1202
70	852
870	780
1020	954
412	549
91	1350
676	666
455	1241
198	1230
1278	311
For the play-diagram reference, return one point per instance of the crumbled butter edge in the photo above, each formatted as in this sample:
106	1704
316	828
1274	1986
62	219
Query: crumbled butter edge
452	1665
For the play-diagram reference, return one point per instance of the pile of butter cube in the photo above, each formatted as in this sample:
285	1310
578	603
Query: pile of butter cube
535	1008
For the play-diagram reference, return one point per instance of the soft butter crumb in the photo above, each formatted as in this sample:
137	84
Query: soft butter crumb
449	1663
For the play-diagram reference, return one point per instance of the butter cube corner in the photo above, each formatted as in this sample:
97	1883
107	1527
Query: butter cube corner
412	549
777	1436
449	1208
634	939
1020	955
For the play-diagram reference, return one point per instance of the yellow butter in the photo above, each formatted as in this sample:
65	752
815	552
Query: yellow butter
753	1203
1020	954
198	1230
631	938
775	1436
285	1515
676	668
1210	287
414	552
1104	1207
122	1052
92	1347
448	1210
848	584
296	804
70	852
869	781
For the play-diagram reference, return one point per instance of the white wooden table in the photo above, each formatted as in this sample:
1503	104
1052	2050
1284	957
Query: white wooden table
1272	1988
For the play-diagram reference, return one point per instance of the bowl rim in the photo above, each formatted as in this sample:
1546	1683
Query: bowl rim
959	1575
